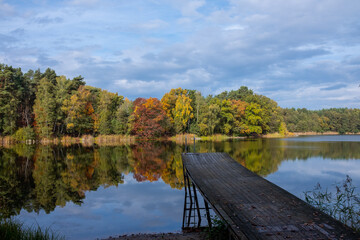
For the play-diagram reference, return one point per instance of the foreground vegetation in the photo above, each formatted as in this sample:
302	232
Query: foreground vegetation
219	229
14	230
342	204
36	105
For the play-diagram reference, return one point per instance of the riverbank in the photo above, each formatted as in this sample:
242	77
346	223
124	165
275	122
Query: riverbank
114	140
298	134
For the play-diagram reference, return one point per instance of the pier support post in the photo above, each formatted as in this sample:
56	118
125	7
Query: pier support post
208	214
191	204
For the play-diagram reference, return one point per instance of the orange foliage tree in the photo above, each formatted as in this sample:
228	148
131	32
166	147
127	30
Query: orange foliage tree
149	119
238	108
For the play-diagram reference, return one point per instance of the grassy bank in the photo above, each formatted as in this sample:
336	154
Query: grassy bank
113	140
314	133
14	230
278	135
216	137
296	134
85	140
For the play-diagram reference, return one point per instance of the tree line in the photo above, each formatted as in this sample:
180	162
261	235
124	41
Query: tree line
45	105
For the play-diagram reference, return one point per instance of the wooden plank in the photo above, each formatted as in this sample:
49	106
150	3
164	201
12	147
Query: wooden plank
255	208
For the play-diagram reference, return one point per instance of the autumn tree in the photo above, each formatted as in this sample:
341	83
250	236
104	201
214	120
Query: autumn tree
254	118
239	125
182	113
169	101
80	117
54	105
149	119
271	116
282	129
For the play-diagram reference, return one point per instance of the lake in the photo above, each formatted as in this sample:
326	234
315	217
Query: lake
101	191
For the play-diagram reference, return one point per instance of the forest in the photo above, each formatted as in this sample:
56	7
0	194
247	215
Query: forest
40	105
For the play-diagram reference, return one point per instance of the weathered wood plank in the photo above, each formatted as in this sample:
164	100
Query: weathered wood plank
255	208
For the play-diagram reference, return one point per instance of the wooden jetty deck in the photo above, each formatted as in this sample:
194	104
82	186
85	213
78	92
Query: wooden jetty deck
255	208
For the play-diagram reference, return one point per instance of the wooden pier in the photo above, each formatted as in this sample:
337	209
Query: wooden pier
253	207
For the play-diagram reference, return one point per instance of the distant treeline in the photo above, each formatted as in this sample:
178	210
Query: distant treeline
45	105
341	120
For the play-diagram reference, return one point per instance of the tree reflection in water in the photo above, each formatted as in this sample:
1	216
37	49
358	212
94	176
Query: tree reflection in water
43	177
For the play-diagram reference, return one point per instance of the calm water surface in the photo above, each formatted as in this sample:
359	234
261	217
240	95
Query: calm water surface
96	192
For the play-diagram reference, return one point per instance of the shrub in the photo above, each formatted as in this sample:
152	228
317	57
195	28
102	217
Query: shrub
219	229
23	134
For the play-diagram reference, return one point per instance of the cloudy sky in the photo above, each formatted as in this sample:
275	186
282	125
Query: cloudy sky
301	53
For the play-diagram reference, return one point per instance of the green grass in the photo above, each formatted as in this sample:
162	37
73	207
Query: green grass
14	230
216	137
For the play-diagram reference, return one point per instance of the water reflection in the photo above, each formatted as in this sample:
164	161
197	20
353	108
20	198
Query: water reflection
46	177
40	179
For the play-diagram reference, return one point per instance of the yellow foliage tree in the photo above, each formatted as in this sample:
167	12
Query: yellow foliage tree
182	113
169	101
80	112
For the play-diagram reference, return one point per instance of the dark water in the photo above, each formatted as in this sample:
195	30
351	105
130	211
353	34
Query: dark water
96	192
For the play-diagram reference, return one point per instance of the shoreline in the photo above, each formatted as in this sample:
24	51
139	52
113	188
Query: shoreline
299	134
113	140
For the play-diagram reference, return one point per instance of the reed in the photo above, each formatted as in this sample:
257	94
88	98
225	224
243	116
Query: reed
67	140
111	140
342	204
7	140
14	230
215	137
315	133
181	138
278	135
87	140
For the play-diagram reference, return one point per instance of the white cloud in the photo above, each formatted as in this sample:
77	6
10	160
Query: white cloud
6	9
194	76
189	8
275	47
234	27
85	2
141	87
152	24
316	97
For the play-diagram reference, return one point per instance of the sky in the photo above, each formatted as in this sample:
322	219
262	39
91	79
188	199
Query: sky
301	53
